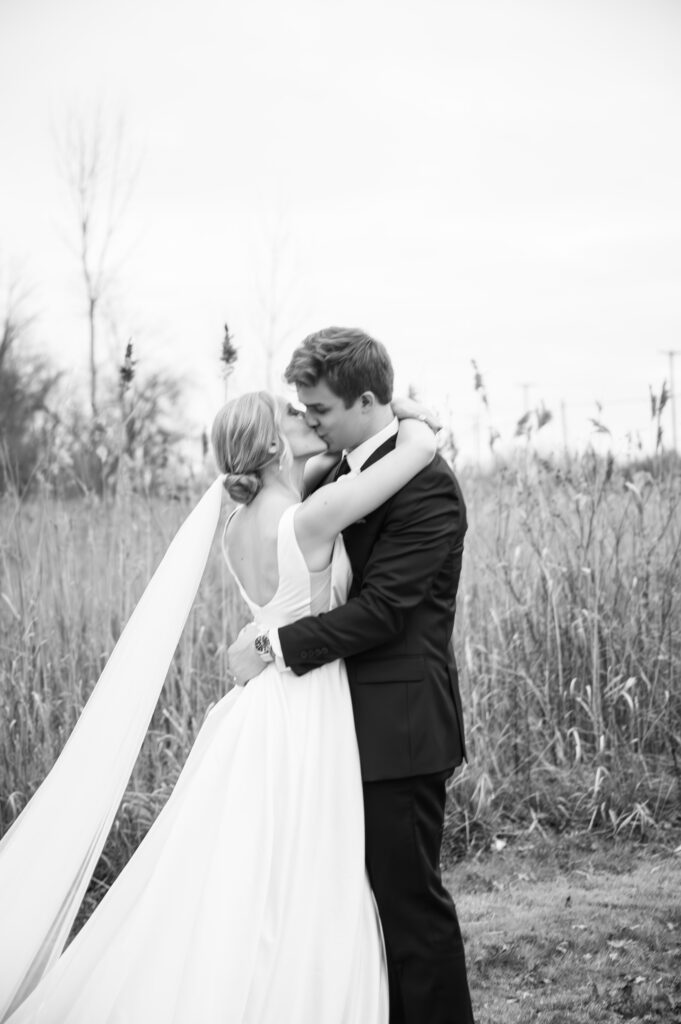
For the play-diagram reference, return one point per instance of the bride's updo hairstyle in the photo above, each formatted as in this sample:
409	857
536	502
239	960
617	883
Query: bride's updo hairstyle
246	438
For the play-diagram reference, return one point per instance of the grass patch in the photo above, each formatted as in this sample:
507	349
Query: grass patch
567	636
573	930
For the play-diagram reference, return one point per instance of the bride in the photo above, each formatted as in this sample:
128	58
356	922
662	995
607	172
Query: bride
248	899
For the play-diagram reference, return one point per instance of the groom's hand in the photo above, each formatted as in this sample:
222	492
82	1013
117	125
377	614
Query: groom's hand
244	660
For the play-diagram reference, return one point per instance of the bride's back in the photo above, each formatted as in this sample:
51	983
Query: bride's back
251	543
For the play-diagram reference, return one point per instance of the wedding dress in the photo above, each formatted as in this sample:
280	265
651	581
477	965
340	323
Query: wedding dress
248	901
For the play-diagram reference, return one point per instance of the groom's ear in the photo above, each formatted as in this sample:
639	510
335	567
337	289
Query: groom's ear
367	401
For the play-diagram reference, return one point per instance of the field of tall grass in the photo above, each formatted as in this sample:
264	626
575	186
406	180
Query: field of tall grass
568	639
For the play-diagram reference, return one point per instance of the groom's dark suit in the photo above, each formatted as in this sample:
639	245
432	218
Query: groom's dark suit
394	634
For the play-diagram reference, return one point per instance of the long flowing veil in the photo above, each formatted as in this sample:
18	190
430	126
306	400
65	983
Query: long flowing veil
48	856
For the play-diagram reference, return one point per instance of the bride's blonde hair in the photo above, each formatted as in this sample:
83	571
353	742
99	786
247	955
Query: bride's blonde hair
246	437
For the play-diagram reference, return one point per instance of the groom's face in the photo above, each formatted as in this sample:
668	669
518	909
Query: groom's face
325	411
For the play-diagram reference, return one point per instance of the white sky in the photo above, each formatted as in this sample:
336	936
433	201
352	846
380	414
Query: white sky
497	180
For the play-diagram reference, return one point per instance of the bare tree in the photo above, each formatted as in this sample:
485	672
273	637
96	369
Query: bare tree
14	320
26	383
97	166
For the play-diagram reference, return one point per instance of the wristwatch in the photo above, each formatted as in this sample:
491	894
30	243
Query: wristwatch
264	647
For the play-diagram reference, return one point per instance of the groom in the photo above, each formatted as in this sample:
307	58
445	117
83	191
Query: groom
394	634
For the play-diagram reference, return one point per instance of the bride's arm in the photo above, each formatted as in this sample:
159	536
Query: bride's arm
331	508
319	466
316	468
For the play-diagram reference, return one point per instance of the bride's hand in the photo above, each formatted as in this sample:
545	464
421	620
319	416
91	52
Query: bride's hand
244	661
410	409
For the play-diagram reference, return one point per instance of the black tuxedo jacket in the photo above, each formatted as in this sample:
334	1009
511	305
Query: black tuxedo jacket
395	630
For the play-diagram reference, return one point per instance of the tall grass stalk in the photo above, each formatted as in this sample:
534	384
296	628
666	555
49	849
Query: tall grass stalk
569	626
71	573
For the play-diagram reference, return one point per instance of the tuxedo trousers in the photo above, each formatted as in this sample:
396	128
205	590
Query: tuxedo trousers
404	819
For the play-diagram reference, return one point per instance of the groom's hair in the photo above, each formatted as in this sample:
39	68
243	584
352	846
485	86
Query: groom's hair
347	359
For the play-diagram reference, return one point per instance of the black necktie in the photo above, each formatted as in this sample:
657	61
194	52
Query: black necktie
343	468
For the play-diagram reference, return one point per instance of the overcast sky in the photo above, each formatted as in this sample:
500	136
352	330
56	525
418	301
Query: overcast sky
465	179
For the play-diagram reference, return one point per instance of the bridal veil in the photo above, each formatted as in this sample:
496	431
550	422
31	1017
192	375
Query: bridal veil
49	854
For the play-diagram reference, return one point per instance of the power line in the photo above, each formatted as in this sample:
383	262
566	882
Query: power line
640	400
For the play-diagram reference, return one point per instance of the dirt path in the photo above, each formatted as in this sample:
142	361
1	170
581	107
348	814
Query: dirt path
574	931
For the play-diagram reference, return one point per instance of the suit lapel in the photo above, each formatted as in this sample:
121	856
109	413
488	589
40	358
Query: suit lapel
358	535
382	450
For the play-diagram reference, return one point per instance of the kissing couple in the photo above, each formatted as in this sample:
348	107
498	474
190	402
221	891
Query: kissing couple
293	875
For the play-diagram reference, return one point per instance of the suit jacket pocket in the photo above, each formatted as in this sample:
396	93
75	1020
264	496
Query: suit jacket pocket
409	669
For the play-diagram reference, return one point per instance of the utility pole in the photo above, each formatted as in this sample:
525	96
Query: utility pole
563	420
526	385
671	352
476	436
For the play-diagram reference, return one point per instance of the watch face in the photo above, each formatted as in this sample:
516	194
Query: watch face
264	647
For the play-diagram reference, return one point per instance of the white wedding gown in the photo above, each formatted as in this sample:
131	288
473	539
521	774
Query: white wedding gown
247	902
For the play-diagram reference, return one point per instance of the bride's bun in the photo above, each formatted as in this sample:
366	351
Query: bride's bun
246	439
242	487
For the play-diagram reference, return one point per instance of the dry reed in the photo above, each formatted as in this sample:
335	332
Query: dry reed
568	637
